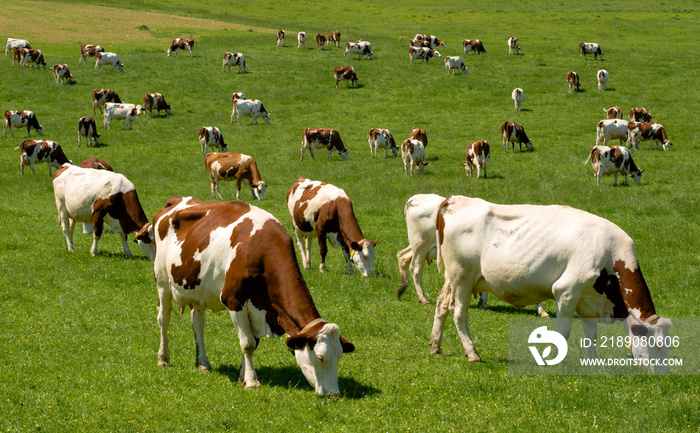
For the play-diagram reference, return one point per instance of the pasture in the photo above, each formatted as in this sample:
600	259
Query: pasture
81	335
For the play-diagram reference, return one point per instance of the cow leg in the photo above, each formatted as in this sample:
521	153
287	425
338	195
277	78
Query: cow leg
417	265
80	137
165	300
323	249
248	344
198	320
461	316
238	189
404	257
615	179
67	224
125	244
441	312
303	247
483	299
330	151
97	227
542	312
239	118
590	330
625	179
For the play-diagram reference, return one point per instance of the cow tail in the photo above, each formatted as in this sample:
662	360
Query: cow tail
590	157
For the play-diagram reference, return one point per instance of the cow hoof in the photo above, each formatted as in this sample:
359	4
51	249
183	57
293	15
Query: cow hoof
204	368
253	384
424	301
474	358
163	363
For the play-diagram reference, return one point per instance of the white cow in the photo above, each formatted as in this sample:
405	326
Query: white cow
453	63
518	95
301	40
234	59
12	43
253	107
379	138
602	80
413	155
513	47
128	112
610	129
108	58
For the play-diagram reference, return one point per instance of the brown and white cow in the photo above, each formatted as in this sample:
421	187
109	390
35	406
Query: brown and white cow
280	38
643	131
234	59
251	107
334	38
434	41
419	43
518	95
107	58
525	254
237	96
210	136
602	76
234	256
320	40
127	112
613	160
18	56
181	44
62	74
478	154
455	63
12	43
424	54
639	114
88	129
513	133
96	164
611	129
420	135
590	48
95	197
99	97
573	80
22	119
301	40
362	49
613	113
324	211
38	151
89	51
413	155
327	138
513	46
157	101
346	73
238	167
474	45
33	56
381	139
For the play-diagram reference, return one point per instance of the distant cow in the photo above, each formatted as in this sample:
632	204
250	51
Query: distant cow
413	155
89	51
107	58
33	56
234	166
518	95
420	135
513	46
613	113
611	129
434	41
455	64
334	38
419	43
321	210
644	131
478	154
602	80
322	137
96	163
99	97
320	40
639	115
362	49
613	160
280	38
381	139
128	112
11	43
181	44
62	74
38	151
210	136
301	40
474	45
424	54
590	48
514	133
87	129
251	107
573	80
346	73
21	119
157	101
234	59
95	197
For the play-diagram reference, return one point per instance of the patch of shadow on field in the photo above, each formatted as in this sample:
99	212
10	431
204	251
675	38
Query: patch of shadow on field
528	311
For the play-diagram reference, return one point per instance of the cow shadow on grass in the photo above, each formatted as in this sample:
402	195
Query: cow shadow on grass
527	311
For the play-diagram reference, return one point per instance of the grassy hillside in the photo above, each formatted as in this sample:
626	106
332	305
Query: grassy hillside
81	332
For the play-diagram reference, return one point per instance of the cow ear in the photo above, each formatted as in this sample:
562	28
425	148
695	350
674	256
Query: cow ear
347	346
299	341
641	171
375	242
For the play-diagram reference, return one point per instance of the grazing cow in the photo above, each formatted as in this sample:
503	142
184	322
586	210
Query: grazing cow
238	257
32	56
362	49
234	59
89	51
321	210
654	132
11	44
301	40
346	73
419	43
157	101
95	197
420	135
413	155
22	119
210	136
611	129
99	97
613	160
424	54
62	74
238	167
518	95
474	45
181	44
525	254
434	41
106	58
128	112
573	80
590	48
639	115
455	64
320	40
478	154
37	151
602	80
513	133
381	138
322	137
252	107
280	38
334	38
513	46
613	113
87	129
96	164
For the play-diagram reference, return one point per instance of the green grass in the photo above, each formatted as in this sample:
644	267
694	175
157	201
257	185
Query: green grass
81	335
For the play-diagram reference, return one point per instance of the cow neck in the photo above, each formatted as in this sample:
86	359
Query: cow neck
136	216
634	290
347	222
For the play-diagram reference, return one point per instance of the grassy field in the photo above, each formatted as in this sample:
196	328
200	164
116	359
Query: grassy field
81	335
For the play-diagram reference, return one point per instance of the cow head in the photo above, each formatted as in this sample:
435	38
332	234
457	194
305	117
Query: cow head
362	255
529	145
637	177
318	356
139	109
266	117
666	145
168	109
146	241
120	65
259	190
647	330
436	53
344	154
